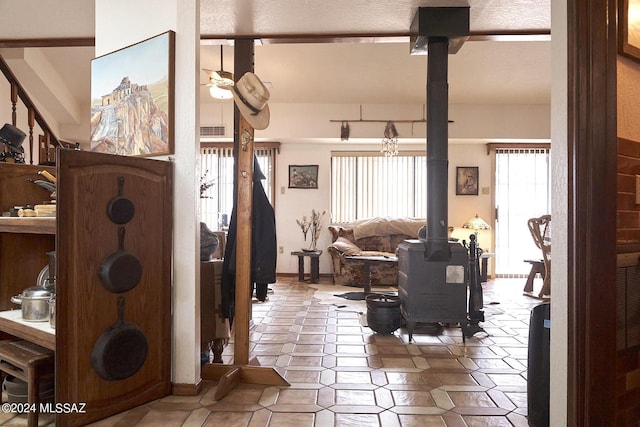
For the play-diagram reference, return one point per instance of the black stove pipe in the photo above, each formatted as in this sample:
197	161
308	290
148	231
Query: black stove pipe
437	241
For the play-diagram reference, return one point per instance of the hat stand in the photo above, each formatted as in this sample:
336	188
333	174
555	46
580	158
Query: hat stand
243	370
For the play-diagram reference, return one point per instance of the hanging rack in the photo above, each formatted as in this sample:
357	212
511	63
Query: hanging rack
361	120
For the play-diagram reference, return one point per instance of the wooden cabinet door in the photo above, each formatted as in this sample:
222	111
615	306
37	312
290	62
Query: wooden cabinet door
86	235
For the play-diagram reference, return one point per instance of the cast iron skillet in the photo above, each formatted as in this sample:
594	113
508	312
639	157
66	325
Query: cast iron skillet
121	271
120	209
121	350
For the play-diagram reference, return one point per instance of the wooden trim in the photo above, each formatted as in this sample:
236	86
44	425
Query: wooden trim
493	145
512	35
53	42
369	153
185	389
630	259
256	144
591	227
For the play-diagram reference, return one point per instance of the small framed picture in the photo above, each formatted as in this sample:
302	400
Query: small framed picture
467	181
628	29
303	176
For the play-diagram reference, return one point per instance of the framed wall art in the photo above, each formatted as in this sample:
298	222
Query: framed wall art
467	181
132	99
629	29
303	176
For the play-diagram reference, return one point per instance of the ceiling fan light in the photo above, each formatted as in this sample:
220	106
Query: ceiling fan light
220	92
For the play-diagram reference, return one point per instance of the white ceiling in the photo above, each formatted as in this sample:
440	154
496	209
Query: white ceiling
357	73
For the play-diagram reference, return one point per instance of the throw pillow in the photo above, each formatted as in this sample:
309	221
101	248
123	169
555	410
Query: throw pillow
346	247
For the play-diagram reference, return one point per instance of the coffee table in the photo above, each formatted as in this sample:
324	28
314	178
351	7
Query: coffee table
367	262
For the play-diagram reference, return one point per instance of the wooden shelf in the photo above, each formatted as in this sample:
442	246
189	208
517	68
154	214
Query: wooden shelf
32	225
40	333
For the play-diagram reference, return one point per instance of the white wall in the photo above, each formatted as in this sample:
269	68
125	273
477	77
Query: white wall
299	122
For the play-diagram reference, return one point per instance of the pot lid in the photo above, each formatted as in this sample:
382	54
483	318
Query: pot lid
36	292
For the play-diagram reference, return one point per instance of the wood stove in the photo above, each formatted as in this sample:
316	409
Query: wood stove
434	272
432	291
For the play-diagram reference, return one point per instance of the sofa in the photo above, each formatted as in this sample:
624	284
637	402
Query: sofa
369	237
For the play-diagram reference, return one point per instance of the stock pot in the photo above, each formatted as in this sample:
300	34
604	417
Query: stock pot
35	303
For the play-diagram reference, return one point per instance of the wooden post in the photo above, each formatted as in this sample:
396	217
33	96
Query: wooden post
241	371
243	243
14	101
31	120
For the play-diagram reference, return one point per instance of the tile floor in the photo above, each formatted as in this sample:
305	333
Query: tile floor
343	374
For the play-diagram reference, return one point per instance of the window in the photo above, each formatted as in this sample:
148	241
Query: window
367	184
216	164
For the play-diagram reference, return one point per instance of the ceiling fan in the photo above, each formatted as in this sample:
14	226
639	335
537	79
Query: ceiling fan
220	82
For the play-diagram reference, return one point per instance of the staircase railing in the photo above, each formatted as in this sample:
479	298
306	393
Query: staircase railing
47	142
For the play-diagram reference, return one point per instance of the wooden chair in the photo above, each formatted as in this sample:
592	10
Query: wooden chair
540	229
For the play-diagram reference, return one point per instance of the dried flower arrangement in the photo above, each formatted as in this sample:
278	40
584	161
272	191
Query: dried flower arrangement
314	224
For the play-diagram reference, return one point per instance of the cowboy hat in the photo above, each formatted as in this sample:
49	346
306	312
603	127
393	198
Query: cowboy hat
251	96
13	137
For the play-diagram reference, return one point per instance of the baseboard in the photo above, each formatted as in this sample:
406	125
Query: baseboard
179	389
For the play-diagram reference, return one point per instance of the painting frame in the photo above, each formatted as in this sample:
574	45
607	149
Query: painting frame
133	99
467	180
303	176
628	33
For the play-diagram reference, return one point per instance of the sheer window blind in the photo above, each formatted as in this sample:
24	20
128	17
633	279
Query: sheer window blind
522	192
365	185
216	164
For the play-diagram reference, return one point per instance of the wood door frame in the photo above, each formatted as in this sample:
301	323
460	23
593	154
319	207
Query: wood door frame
592	122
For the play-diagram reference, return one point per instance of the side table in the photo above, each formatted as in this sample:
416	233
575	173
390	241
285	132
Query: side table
483	269
315	264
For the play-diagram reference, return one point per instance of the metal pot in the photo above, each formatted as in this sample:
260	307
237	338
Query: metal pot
52	312
35	304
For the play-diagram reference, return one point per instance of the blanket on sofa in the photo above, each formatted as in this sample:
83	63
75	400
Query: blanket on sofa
386	226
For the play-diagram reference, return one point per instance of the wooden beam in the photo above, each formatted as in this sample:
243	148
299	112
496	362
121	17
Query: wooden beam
243	153
243	244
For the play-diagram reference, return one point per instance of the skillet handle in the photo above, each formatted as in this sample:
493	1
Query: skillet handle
121	238
121	310
120	186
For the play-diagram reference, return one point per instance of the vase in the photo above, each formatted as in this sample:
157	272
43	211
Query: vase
208	242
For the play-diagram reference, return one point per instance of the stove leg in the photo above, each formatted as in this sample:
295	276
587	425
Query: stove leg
410	330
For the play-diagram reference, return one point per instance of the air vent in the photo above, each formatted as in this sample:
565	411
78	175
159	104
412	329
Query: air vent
212	131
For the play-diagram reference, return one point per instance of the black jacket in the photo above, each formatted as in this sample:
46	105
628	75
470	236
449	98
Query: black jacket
263	244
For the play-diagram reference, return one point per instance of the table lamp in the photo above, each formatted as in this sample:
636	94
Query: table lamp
476	224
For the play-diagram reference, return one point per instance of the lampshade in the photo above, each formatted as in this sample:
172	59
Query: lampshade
476	223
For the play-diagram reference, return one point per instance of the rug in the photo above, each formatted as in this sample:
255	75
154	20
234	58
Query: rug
354	296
